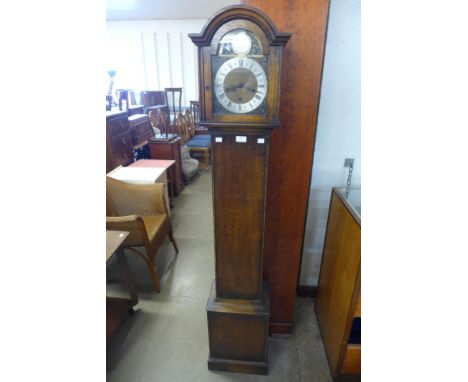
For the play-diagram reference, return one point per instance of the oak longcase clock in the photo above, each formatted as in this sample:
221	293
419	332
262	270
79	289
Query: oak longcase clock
239	53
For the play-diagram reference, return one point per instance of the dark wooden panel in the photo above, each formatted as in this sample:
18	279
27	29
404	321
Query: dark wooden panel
239	186
121	141
291	148
118	125
170	150
152	97
238	333
245	339
339	280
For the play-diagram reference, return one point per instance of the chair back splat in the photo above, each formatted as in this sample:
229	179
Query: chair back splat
174	102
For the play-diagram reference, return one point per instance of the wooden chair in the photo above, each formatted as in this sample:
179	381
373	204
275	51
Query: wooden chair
189	165
195	110
141	210
200	145
174	102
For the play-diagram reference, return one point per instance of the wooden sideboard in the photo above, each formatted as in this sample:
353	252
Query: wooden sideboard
169	149
119	148
338	303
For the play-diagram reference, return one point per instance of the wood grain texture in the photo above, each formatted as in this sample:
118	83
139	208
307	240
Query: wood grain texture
118	140
238	333
352	360
292	147
339	285
239	173
170	150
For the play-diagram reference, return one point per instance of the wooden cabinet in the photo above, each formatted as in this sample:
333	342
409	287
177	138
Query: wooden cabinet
338	303
140	128
119	149
169	149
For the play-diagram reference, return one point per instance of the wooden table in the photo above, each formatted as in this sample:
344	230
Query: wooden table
159	163
117	308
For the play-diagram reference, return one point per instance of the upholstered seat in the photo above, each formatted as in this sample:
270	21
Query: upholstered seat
197	138
198	143
189	165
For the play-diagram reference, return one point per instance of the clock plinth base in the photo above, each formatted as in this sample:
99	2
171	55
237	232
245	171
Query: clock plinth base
238	333
238	366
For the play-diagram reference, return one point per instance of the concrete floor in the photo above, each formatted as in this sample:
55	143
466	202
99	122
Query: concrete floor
167	338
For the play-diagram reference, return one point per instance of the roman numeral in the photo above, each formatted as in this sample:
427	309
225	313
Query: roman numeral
259	74
229	104
241	63
222	95
261	86
258	97
230	66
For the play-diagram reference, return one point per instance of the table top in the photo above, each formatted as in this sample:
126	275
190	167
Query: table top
137	175
152	163
113	241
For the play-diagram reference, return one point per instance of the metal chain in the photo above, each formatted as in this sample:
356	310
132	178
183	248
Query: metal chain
348	182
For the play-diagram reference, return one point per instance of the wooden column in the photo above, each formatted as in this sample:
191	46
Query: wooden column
291	149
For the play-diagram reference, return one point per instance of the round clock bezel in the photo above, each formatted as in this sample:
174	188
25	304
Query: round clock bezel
261	78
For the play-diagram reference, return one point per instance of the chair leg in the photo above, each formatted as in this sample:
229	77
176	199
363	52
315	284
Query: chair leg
207	160
149	260
154	276
171	238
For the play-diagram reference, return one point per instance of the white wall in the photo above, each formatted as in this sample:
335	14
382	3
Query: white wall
338	130
154	54
164	9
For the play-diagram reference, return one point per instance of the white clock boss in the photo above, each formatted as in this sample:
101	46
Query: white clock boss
240	85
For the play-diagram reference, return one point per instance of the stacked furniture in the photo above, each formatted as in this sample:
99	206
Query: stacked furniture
189	165
338	303
141	130
199	145
119	147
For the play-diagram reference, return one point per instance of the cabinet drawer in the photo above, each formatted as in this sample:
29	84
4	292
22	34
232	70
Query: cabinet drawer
141	132
143	137
123	157
352	360
141	128
118	125
121	141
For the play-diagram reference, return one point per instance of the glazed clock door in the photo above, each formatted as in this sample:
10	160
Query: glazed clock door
239	75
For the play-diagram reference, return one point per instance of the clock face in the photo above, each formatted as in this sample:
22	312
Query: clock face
240	84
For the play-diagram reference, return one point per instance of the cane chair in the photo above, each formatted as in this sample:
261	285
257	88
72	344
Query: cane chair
141	210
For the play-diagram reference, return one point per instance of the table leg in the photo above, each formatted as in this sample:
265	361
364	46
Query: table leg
127	277
171	188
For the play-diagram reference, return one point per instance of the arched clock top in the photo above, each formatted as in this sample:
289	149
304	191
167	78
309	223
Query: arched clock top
239	12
